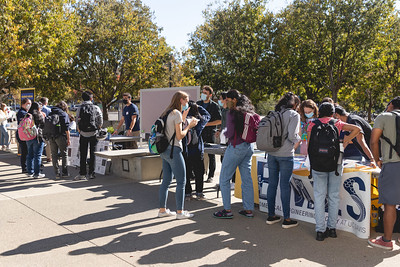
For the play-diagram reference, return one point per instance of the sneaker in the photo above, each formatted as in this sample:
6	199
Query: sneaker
40	175
80	177
210	180
320	236
398	241
166	213
330	232
184	215
30	175
223	214
7	149
246	214
58	175
379	243
289	224
92	176
201	196
273	219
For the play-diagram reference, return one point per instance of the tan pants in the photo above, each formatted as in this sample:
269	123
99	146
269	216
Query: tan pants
133	144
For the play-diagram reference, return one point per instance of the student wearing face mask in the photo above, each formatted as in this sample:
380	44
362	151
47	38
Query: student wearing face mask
130	115
25	106
308	112
209	131
177	112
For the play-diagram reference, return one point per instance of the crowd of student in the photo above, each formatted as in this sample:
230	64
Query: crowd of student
189	125
302	125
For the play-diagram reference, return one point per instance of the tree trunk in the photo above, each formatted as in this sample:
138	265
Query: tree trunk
105	113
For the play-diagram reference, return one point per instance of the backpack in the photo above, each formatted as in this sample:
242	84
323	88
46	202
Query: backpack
251	122
324	147
270	132
27	129
87	118
395	147
52	127
158	141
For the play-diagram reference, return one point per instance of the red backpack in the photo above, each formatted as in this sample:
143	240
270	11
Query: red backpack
251	121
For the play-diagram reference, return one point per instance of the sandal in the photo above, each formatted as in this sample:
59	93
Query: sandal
223	214
246	214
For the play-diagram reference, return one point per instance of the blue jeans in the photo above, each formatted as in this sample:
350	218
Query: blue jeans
239	156
4	135
34	157
326	183
175	166
279	168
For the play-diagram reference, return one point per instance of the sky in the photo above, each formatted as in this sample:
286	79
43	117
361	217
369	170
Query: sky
179	18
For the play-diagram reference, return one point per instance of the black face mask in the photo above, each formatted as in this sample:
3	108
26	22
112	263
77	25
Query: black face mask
125	101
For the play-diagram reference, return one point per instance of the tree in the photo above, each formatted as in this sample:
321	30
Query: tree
233	48
327	41
120	50
36	37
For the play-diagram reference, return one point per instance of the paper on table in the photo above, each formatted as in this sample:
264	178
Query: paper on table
223	137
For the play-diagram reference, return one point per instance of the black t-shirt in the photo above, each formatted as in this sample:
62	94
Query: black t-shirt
366	129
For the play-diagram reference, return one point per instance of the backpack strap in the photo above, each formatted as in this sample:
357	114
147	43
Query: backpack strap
392	147
337	154
173	136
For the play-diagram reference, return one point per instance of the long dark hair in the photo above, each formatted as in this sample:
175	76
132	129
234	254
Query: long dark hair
288	100
243	105
34	110
194	110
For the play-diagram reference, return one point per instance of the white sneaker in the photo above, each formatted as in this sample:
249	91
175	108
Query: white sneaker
80	177
184	215
40	175
166	213
29	175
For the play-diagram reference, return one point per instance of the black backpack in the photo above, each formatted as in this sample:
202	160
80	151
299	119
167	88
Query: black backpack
395	147
158	141
324	148
52	127
87	118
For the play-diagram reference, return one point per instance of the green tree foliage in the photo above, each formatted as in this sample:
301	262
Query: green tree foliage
233	48
120	50
36	37
326	41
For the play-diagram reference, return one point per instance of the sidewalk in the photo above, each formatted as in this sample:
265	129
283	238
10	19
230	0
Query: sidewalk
111	221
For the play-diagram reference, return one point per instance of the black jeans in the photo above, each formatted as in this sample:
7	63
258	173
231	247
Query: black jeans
84	142
209	137
194	164
24	152
59	143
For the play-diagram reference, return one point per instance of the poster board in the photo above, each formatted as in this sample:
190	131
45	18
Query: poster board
155	100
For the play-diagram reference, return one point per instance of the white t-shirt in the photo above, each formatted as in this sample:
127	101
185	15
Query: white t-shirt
174	118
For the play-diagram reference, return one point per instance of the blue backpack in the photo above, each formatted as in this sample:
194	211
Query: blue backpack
158	141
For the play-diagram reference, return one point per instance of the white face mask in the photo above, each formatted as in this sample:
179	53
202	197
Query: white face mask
28	106
203	97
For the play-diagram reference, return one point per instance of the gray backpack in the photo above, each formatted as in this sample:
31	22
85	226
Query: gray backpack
270	132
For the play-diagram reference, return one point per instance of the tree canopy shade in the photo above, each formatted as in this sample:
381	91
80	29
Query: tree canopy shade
119	49
36	37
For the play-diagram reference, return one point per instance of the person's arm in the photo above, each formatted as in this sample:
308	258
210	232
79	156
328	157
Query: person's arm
215	113
374	142
68	138
132	124
365	148
294	128
99	118
354	131
214	123
119	125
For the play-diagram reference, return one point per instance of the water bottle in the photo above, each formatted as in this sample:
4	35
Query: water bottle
340	160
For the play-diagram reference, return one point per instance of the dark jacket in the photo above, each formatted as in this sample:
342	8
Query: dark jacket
190	149
38	118
215	114
64	119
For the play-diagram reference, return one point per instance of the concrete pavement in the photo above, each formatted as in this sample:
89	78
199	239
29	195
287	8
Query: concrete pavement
110	221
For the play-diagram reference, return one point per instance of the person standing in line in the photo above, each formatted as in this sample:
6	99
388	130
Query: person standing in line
35	146
130	115
89	120
237	154
174	163
3	130
208	133
326	184
280	163
46	110
386	133
61	141
308	112
25	106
